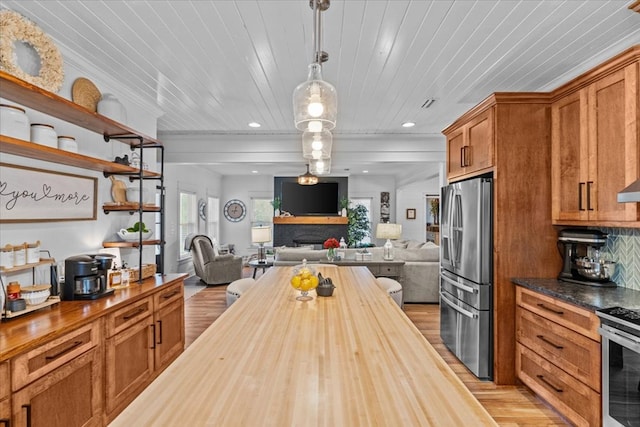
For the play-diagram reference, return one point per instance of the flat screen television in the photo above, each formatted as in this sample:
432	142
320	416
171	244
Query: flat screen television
319	199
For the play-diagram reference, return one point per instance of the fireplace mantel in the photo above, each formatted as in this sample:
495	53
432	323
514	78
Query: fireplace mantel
310	220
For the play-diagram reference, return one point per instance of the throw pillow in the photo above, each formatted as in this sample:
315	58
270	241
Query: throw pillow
414	244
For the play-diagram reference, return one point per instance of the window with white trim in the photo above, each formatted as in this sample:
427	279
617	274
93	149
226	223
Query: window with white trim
188	218
213	217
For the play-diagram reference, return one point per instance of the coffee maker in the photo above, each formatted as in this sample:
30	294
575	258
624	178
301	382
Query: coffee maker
86	277
581	259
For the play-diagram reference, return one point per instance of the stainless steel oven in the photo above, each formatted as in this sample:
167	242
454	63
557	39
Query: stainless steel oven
620	331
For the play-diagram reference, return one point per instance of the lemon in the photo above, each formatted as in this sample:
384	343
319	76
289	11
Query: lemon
295	281
305	284
314	281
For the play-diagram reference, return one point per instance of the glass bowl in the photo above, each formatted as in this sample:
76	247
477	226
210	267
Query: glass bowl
304	278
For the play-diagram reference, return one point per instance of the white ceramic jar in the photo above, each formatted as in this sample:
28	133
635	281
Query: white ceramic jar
109	106
14	122
19	255
33	252
67	143
44	134
6	256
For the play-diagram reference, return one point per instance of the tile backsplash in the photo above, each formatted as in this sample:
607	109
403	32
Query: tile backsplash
623	245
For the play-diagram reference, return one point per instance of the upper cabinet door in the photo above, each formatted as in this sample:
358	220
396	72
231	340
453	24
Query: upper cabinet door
470	146
595	151
480	141
569	157
613	143
455	153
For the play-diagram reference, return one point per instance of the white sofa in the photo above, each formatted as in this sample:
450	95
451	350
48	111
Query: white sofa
420	272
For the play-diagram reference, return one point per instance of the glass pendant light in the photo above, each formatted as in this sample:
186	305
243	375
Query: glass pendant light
320	166
315	102
317	145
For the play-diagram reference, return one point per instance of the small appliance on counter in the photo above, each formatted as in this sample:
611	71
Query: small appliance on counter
582	261
86	277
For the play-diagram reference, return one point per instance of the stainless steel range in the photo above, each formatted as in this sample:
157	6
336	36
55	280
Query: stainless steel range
620	330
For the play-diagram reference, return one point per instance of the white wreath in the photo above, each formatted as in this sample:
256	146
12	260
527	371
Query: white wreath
14	27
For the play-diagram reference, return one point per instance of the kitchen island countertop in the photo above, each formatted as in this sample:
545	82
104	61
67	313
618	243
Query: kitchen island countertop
589	297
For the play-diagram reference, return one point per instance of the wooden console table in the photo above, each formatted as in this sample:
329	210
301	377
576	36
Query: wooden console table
391	269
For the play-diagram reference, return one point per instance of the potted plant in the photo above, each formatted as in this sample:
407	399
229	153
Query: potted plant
358	225
344	206
276	203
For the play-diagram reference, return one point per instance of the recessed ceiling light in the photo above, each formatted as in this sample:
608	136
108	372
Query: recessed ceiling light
254	125
254	171
365	171
408	124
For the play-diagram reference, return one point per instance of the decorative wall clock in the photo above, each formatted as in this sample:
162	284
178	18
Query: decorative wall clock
202	209
235	210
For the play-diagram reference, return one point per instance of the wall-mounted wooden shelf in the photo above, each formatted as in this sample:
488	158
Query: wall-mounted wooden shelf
43	261
310	220
49	103
129	244
23	148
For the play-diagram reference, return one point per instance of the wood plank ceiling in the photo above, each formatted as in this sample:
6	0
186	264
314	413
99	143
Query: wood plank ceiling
214	66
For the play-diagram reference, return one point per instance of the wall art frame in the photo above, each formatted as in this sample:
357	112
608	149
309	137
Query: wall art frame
411	213
38	195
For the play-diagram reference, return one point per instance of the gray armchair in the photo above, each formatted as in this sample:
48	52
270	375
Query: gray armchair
210	268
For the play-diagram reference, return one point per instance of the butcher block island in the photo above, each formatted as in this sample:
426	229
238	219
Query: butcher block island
79	363
352	359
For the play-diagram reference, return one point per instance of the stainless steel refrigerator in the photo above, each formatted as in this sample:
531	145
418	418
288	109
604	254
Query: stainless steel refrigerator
466	273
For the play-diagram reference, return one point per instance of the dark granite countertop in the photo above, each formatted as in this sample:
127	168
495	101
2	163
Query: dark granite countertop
589	297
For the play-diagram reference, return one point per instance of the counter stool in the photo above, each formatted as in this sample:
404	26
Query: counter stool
393	288
236	288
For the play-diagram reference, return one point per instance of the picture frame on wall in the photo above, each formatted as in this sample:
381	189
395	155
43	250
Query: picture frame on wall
37	195
411	213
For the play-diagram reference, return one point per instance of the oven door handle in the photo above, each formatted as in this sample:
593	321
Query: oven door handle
623	338
462	311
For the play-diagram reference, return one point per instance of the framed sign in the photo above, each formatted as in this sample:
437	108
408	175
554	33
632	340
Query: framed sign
37	195
411	213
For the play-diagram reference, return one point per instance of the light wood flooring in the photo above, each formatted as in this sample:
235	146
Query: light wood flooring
510	406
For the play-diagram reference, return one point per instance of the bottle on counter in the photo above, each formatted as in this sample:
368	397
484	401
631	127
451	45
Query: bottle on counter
114	277
342	250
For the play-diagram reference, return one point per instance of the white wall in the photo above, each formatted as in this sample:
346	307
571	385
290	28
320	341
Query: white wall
197	179
412	196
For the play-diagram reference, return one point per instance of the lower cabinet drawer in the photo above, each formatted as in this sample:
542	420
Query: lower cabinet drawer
33	364
574	353
576	401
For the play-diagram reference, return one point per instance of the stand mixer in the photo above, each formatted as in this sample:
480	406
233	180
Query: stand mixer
582	258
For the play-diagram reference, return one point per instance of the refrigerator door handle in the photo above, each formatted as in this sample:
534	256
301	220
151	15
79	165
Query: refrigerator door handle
450	214
462	311
459	285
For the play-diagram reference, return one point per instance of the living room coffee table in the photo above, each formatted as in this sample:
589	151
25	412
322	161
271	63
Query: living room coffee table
257	264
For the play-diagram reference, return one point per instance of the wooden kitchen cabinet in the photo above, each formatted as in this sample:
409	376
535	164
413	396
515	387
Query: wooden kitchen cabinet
595	145
142	339
129	354
558	355
516	131
5	393
470	146
169	325
63	373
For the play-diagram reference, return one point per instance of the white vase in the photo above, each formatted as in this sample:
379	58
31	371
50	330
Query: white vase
109	106
276	212
343	212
